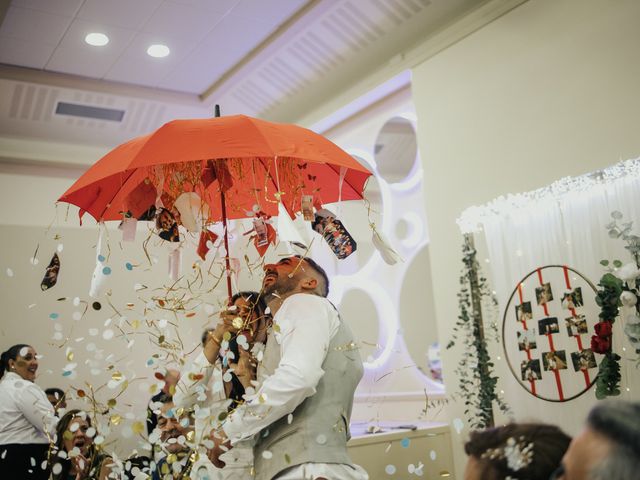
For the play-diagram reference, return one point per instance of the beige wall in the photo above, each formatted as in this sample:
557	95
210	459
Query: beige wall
548	90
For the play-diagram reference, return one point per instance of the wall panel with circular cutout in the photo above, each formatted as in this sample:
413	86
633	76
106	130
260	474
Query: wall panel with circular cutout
396	149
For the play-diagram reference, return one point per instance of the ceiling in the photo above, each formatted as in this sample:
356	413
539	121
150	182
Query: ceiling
275	59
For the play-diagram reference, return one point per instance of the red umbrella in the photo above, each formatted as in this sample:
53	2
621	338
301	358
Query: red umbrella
233	163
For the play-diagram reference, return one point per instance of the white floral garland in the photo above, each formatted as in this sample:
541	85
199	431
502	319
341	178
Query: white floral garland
472	218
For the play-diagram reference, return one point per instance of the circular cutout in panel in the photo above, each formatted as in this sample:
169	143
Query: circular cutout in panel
546	331
360	313
418	318
396	149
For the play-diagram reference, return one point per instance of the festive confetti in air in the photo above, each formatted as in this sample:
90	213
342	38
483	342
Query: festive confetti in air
432	455
129	267
9	272
106	270
96	305
390	469
405	442
53	316
458	425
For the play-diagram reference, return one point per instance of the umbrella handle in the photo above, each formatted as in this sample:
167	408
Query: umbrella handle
226	243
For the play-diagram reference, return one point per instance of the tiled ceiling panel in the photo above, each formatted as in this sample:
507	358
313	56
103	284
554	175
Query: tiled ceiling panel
110	12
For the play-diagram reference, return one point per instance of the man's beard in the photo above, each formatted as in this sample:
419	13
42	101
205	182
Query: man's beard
280	287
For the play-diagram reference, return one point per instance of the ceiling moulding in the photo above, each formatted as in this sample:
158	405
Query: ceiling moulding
72	82
321	107
40	153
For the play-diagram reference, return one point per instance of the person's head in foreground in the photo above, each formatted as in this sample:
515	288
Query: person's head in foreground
56	397
608	447
77	455
20	359
176	428
516	451
292	275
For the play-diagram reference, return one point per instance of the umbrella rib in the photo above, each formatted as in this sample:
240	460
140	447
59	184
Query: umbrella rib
345	179
108	204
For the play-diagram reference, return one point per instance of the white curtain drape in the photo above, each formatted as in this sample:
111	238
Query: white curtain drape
562	224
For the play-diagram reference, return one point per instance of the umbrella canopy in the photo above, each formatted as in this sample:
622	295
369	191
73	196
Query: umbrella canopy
255	164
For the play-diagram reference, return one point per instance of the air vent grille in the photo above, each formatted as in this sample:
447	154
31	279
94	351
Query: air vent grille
88	111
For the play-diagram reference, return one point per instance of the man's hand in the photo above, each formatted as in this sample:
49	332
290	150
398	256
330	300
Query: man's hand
221	445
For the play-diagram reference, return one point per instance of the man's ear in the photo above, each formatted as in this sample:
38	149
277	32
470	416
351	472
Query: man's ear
309	283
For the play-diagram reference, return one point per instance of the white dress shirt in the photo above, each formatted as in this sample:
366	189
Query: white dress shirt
303	327
26	415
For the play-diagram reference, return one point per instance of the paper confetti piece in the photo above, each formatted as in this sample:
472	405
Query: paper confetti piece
390	469
9	272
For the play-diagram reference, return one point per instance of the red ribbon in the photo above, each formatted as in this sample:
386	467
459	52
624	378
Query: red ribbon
544	305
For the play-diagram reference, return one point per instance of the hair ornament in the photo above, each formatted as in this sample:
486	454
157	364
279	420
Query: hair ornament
517	454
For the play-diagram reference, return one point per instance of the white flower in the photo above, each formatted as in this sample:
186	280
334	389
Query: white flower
628	272
628	299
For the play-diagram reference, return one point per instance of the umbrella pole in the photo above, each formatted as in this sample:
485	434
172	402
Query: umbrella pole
226	242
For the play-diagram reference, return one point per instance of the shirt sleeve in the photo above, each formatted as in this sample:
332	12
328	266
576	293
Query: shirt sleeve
195	382
305	331
37	409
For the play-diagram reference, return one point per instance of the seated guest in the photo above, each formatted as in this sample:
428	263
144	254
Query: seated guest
26	417
171	378
57	398
178	458
515	451
608	448
77	457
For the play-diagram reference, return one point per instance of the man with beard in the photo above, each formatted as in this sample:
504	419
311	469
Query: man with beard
299	416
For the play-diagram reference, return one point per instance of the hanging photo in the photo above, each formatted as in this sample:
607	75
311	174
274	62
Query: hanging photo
554	360
576	325
548	326
307	208
51	274
262	237
530	370
526	339
583	360
337	237
167	226
523	312
572	299
544	294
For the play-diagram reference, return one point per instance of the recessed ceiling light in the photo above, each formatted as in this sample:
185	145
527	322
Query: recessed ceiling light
96	39
158	50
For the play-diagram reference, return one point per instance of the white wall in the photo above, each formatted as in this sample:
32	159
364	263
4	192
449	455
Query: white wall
548	90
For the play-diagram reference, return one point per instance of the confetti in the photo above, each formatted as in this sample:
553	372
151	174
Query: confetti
432	455
101	258
107	334
96	305
405	442
60	248
267	455
76	316
76	301
9	272
53	316
321	439
129	267
106	270
390	469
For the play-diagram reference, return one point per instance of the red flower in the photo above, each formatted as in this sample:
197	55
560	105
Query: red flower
603	329
600	344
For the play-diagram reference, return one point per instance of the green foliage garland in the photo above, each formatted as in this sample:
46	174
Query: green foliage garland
477	384
617	294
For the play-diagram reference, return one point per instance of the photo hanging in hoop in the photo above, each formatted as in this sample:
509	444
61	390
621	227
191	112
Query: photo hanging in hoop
546	333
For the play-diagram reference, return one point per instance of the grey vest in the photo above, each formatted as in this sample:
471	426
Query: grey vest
319	429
